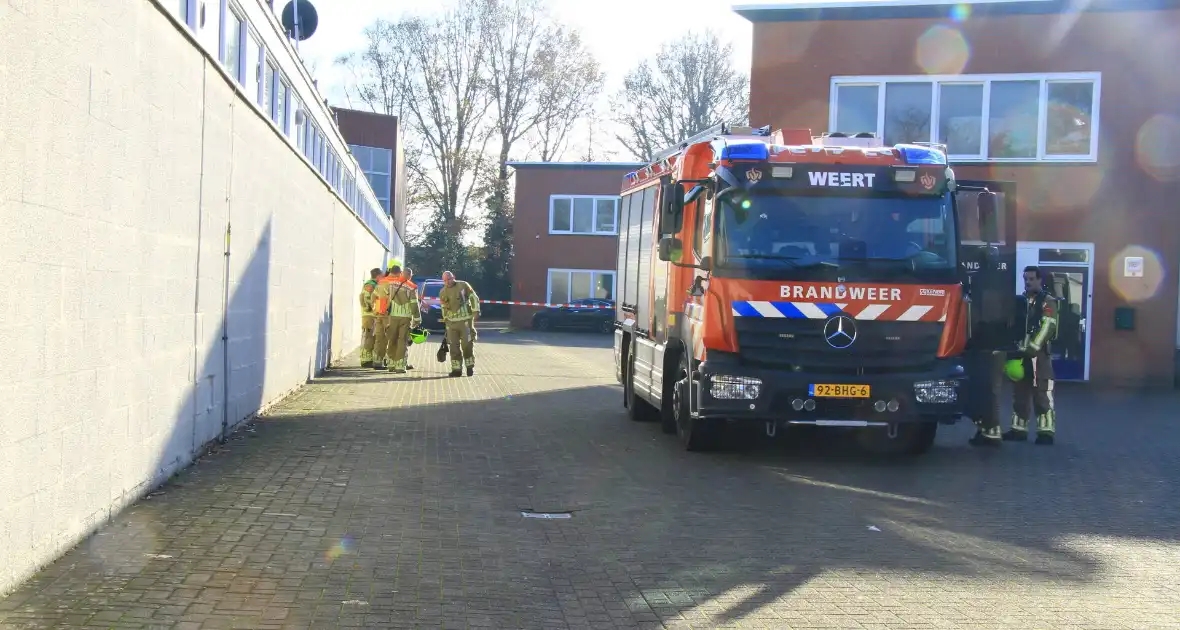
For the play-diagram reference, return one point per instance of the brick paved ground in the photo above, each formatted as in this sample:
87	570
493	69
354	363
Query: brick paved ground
371	500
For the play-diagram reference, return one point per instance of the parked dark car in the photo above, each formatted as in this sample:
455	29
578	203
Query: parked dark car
587	314
431	307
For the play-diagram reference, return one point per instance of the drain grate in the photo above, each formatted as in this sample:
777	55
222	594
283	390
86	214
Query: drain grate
547	515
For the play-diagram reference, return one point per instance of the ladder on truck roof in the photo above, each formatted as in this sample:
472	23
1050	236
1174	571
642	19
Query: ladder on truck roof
722	129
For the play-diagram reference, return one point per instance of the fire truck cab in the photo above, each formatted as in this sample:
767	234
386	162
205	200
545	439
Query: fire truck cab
774	279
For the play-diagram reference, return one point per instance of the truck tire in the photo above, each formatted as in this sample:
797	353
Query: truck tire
699	434
913	439
638	409
668	406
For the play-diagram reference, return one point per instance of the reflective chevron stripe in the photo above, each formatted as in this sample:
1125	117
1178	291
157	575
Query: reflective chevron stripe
822	310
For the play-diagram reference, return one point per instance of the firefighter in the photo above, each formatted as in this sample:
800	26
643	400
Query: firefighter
409	275
381	308
460	310
1035	379
367	318
403	315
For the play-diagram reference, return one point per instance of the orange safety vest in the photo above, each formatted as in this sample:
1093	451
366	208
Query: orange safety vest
384	301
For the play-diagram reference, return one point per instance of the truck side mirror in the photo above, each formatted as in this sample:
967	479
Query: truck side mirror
670	248
671	208
988	228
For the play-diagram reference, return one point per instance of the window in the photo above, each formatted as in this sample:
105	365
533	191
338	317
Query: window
254	67
183	11
377	165
281	106
298	120
583	214
1019	117
567	285
268	91
233	45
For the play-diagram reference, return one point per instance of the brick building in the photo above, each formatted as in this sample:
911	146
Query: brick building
1062	99
374	140
566	232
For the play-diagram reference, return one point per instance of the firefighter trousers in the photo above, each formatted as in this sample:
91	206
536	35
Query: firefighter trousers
461	336
1038	391
380	339
399	333
368	337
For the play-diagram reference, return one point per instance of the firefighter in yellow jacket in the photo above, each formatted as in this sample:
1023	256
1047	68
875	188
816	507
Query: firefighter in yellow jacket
403	315
368	319
1035	378
381	308
460	310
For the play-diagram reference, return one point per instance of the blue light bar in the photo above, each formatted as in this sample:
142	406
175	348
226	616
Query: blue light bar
915	154
745	151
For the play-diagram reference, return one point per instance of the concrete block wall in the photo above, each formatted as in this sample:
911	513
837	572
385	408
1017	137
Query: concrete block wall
126	158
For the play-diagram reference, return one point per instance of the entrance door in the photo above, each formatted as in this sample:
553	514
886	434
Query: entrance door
1071	286
1070	268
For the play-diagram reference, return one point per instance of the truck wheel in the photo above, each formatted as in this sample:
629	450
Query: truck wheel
668	408
699	434
638	409
912	439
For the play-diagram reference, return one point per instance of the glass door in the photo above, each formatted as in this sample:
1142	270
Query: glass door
1071	285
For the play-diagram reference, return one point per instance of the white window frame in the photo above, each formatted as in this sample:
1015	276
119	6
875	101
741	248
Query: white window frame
985	132
384	197
190	14
594	221
594	273
230	10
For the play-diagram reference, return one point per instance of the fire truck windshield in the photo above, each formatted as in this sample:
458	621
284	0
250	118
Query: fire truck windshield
861	238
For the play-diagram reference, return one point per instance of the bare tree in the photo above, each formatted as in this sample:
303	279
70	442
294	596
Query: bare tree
541	77
571	81
446	104
691	86
378	74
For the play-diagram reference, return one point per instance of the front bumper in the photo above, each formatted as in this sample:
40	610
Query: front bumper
734	391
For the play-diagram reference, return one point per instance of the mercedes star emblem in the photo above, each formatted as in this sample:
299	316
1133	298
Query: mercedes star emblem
840	332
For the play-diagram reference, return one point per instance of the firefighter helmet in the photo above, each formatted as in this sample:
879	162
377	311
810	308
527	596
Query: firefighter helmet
1014	370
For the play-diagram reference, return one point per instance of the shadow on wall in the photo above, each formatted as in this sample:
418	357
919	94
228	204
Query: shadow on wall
228	387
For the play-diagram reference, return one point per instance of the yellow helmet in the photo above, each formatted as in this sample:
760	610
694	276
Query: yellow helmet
393	262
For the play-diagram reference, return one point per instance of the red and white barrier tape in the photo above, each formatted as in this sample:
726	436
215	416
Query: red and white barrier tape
512	303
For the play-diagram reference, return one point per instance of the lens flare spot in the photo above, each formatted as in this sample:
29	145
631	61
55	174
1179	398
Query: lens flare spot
1073	188
960	12
344	547
942	50
1137	279
1157	147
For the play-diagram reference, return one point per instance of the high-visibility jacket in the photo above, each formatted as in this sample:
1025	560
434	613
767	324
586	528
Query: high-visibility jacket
458	301
367	298
396	297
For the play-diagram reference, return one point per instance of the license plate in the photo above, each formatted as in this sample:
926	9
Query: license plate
829	390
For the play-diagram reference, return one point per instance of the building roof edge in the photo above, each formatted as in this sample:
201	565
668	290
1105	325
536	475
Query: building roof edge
820	10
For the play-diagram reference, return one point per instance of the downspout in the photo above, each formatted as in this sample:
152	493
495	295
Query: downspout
225	380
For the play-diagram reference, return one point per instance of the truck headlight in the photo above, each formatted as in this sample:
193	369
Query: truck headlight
936	392
735	387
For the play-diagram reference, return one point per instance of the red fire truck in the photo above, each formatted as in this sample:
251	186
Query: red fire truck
782	279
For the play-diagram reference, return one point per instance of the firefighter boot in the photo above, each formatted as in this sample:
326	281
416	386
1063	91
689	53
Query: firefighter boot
1046	425
1019	430
989	437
